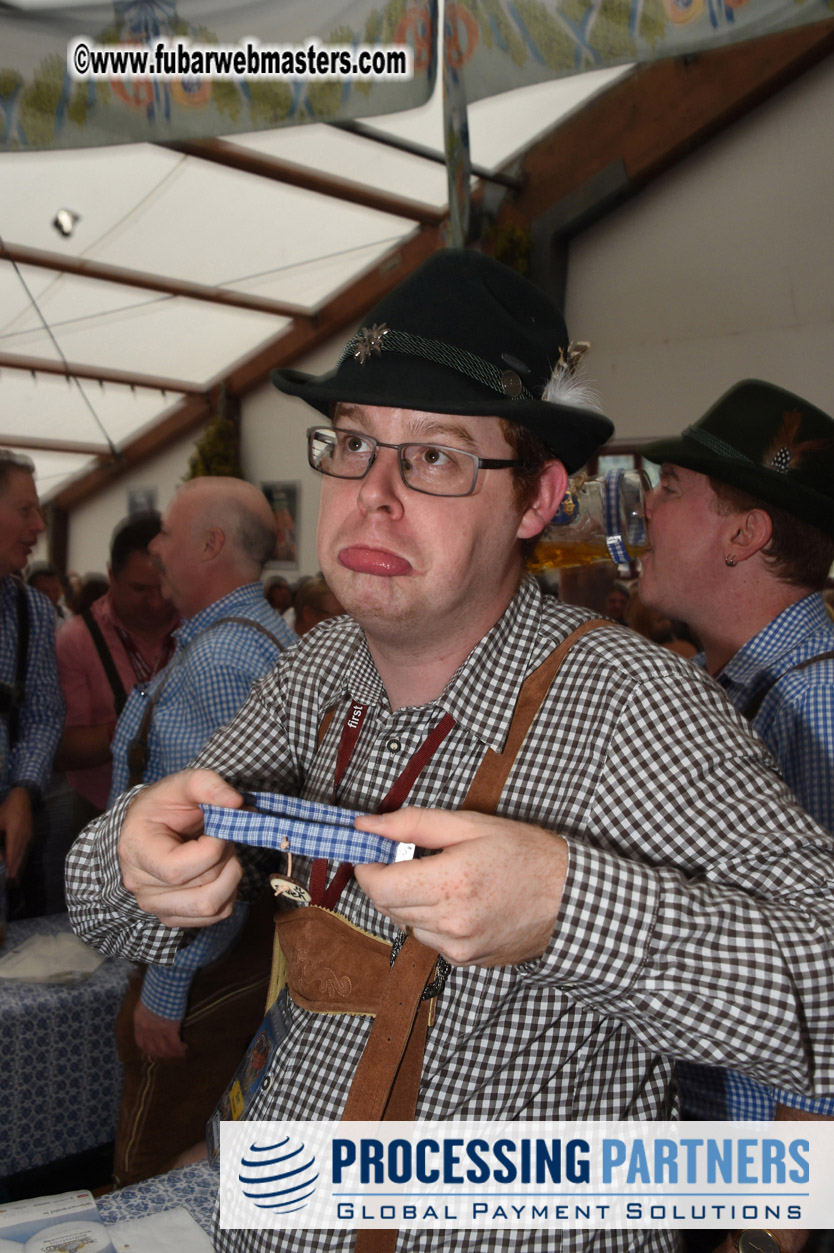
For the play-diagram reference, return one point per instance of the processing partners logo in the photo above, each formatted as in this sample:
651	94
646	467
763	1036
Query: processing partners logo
508	1176
279	1177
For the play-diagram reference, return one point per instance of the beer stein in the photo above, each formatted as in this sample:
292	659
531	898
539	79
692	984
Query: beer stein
599	519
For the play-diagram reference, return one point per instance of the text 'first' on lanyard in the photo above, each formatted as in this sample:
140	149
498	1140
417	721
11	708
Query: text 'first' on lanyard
326	894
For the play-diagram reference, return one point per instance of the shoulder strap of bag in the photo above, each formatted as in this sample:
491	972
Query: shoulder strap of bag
137	751
106	659
752	707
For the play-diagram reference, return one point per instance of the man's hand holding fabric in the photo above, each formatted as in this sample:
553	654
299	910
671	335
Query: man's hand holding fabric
185	878
490	897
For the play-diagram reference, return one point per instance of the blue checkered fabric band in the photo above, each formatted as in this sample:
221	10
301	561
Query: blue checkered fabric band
291	825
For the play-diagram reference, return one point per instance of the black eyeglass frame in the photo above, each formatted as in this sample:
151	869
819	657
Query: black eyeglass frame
478	463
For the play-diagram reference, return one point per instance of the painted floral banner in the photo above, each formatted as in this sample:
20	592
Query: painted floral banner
496	45
42	105
489	46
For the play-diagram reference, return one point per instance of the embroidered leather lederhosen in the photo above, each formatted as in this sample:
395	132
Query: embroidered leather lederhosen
329	965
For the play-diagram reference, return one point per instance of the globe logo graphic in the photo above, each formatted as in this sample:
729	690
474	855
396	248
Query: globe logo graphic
280	1177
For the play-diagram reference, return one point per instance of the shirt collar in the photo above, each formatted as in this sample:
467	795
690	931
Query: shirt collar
238	603
481	695
768	652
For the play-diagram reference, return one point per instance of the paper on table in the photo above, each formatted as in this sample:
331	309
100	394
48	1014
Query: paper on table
173	1231
50	959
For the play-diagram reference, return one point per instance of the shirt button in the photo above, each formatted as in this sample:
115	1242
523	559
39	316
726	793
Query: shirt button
393	745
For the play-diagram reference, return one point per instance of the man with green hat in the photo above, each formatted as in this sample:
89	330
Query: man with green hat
741	532
568	937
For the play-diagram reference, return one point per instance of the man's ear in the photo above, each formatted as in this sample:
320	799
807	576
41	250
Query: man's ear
551	487
214	541
748	533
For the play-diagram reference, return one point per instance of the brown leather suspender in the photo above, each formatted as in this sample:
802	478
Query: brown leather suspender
486	788
387	1079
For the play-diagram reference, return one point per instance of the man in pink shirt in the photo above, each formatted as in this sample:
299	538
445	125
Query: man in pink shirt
122	640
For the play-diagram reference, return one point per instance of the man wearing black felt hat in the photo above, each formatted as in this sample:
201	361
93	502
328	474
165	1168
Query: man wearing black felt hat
741	528
561	945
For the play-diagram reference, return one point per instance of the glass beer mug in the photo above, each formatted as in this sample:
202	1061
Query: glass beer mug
599	519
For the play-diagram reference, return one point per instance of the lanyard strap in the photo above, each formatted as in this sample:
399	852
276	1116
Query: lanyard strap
142	668
326	894
350	735
398	794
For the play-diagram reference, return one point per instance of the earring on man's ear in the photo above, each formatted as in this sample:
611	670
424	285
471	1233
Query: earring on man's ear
729	560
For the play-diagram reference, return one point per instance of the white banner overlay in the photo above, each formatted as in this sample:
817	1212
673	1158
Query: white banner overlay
433	1175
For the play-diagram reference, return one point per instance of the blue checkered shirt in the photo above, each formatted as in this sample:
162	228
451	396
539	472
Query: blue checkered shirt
796	722
206	682
42	715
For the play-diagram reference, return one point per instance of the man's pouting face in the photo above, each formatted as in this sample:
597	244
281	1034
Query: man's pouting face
411	565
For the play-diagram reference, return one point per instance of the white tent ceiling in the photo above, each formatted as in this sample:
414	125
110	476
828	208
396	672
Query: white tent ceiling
202	264
157	211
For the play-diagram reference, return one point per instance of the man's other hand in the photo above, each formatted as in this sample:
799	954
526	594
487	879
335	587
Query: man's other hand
16	827
185	878
489	898
155	1036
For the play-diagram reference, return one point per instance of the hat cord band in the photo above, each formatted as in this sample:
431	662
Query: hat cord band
457	359
716	445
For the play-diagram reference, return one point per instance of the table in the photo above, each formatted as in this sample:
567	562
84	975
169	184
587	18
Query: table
62	1077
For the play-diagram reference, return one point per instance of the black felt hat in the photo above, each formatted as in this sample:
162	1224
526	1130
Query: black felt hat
766	441
466	335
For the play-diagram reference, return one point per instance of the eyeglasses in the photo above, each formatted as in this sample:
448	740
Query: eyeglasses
430	468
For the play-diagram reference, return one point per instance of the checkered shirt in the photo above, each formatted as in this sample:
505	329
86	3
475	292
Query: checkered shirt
210	676
696	918
796	721
165	989
42	715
